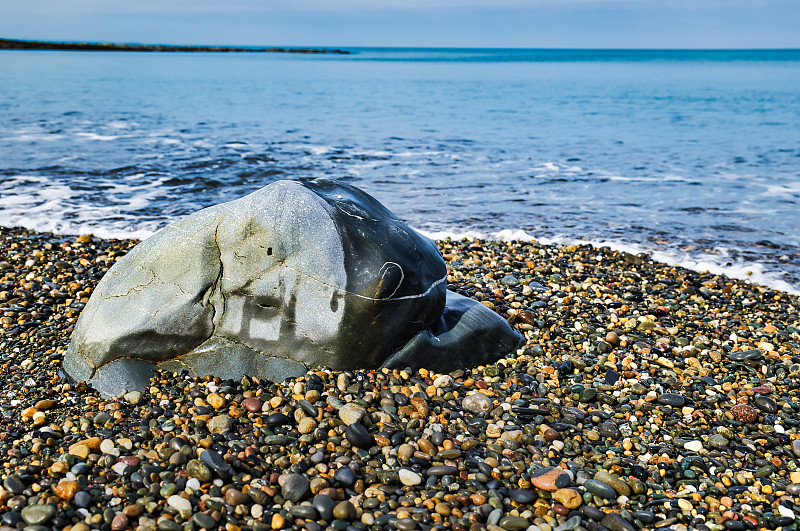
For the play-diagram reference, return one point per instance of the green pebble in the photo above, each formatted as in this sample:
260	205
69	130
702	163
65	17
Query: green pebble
513	522
38	514
204	521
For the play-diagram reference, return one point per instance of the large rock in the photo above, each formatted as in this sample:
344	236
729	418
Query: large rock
293	276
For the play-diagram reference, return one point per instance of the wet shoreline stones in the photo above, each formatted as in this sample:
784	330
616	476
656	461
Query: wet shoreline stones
629	392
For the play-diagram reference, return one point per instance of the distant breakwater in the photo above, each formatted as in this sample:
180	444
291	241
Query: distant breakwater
12	44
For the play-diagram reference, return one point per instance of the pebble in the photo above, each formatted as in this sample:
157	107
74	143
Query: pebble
477	403
693	445
324	505
180	504
522	495
409	477
220	424
671	399
615	522
358	435
351	413
569	498
569	524
550	478
344	511
38	514
513	522
204	521
614	481
441	470
601	489
296	488
658	388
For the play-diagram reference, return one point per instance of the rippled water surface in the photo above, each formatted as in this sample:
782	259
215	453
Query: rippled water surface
692	155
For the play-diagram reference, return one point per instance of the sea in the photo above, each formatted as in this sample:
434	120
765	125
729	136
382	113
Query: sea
690	156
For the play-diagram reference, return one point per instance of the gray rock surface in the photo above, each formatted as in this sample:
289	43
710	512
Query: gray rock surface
295	275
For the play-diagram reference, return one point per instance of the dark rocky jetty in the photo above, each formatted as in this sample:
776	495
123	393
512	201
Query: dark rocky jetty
16	44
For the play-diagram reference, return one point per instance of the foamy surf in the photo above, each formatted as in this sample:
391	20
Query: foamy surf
754	272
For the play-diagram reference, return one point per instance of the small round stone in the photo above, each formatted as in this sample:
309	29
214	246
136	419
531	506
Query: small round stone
344	511
477	403
296	488
569	498
409	477
38	514
744	413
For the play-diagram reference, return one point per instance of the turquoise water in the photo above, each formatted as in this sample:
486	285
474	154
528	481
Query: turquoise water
694	156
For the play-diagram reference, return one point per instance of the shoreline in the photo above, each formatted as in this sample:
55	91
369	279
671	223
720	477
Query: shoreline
17	44
646	395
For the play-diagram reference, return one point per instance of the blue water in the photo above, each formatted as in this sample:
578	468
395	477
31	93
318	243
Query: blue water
694	156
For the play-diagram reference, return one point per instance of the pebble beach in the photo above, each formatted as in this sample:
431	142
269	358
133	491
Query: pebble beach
646	396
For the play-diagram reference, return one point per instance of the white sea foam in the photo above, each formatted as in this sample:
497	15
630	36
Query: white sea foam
717	264
95	136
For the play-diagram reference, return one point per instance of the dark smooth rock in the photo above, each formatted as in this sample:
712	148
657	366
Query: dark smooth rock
765	404
306	265
522	495
324	505
214	460
734	525
306	512
646	517
307	407
278	440
14	484
406	524
11	518
357	435
671	399
745	355
278	419
345	476
442	470
608	429
83	499
615	522
601	489
204	521
295	488
593	512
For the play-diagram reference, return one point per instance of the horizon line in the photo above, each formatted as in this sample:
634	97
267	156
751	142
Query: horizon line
420	47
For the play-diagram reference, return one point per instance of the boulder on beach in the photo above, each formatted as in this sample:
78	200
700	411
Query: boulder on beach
293	276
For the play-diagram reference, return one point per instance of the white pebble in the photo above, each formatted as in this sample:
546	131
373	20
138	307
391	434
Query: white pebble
193	483
180	504
444	380
409	477
133	397
785	511
693	446
108	447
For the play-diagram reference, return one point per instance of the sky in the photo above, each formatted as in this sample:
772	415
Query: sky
412	23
